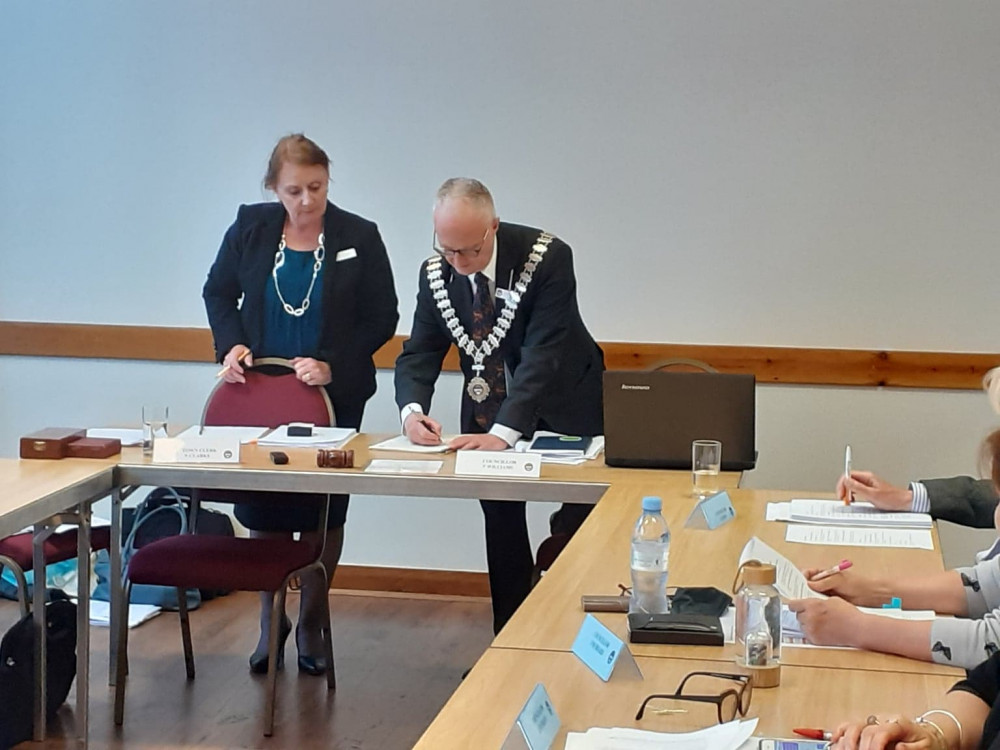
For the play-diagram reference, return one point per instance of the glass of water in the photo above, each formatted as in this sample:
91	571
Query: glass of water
154	425
706	460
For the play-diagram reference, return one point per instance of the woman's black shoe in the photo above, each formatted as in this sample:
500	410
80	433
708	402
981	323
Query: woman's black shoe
258	660
314	665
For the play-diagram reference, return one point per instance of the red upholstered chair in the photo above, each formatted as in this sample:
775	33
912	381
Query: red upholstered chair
15	554
192	561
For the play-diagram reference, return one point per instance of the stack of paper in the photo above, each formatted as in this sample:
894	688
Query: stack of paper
402	443
729	736
322	437
834	512
128	435
245	434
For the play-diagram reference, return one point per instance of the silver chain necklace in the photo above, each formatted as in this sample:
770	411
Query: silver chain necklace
477	388
279	260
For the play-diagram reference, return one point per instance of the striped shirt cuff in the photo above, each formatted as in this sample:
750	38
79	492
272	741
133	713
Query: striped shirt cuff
921	502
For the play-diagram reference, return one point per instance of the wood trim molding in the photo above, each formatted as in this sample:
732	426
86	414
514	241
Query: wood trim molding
411	581
770	364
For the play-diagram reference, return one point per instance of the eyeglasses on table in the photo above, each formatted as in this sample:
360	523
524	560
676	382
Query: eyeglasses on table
728	702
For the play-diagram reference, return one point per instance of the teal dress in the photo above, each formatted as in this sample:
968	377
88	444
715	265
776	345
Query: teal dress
286	335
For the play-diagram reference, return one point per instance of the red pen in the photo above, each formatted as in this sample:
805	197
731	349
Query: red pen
842	565
814	734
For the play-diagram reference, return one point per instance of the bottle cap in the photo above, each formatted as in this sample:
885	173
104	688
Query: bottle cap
759	574
652	504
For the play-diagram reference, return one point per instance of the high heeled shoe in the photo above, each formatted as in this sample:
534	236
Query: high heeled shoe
259	661
311	665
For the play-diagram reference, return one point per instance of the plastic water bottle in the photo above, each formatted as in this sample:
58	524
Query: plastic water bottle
650	552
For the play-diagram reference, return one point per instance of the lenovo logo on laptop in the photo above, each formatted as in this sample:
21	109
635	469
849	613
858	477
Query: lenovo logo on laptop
627	387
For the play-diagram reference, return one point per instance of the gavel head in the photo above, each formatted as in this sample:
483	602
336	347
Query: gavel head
335	459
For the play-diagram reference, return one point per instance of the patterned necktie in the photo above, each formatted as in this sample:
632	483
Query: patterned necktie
483	316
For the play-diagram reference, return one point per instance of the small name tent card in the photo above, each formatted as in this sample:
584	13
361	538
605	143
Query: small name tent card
498	464
711	512
604	652
536	725
197	450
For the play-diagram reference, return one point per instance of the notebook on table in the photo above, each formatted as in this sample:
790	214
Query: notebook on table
651	418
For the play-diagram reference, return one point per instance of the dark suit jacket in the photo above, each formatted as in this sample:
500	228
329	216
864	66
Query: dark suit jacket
963	500
359	298
555	367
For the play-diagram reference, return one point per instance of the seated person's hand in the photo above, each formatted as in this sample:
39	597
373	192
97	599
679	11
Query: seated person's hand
485	442
311	371
232	360
850	585
422	430
867	486
884	734
828	622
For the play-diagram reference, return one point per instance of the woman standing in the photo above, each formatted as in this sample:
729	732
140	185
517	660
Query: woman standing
308	281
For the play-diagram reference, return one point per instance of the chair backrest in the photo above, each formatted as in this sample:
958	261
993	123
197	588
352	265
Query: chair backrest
268	399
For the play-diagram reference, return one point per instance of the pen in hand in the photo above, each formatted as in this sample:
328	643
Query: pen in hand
848	495
842	565
227	368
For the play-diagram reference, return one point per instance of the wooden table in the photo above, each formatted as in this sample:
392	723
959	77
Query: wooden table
597	559
37	493
484	707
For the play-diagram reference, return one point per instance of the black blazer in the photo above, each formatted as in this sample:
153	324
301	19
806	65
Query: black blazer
555	367
360	309
964	500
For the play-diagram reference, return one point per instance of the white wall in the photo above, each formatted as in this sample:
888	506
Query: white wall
784	173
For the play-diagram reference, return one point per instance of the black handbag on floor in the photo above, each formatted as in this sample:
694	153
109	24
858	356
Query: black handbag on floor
17	669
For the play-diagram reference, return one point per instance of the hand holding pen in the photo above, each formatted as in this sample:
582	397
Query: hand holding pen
422	430
842	565
232	372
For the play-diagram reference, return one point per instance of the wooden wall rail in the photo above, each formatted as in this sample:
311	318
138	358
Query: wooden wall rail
771	364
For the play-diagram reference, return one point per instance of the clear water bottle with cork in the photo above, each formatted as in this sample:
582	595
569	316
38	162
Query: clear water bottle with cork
758	623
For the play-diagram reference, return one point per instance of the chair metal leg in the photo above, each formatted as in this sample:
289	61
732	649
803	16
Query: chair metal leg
182	610
331	674
277	607
20	582
121	648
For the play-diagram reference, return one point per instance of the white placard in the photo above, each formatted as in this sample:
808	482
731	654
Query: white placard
197	450
498	464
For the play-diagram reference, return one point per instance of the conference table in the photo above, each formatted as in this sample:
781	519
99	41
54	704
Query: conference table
535	644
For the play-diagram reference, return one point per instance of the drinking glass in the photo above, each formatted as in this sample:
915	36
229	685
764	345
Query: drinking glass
706	460
154	425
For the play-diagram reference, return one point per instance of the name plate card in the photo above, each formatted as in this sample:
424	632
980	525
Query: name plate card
498	464
711	512
604	652
196	450
536	725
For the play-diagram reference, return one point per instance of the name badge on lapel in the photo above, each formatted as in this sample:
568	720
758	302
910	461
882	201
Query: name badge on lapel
345	254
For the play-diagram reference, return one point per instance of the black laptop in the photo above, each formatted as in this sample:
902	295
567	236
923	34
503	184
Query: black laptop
650	418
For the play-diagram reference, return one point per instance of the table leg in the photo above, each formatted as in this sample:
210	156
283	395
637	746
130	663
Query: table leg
115	580
41	533
83	552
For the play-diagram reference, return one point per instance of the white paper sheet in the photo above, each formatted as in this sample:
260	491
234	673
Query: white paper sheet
128	435
791	584
857	514
322	437
402	443
100	613
245	434
846	536
388	466
729	736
